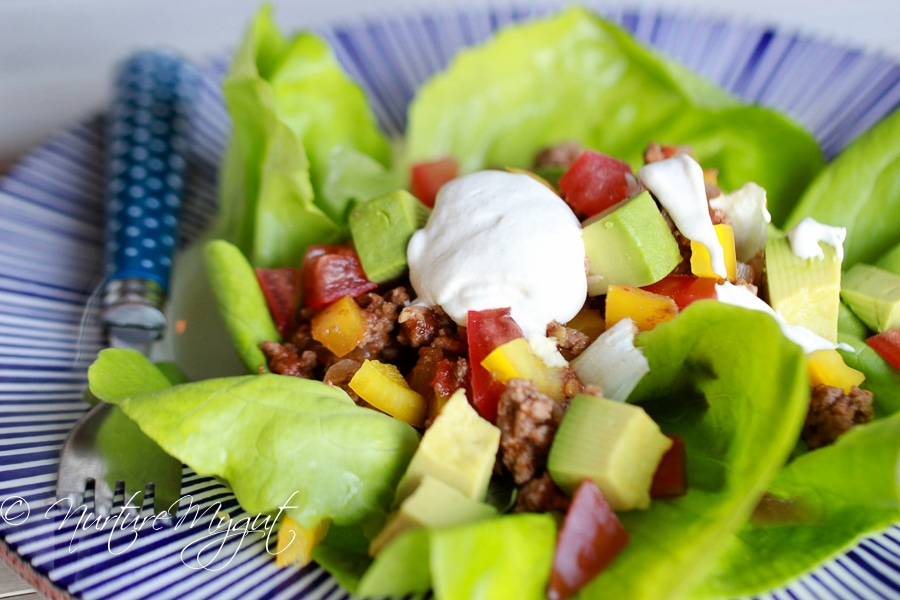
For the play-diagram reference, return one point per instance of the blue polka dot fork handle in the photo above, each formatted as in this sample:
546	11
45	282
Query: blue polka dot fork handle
147	144
147	139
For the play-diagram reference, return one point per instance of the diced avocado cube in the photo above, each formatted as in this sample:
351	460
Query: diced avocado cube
507	557
381	229
874	295
805	291
432	504
401	567
628	244
459	448
614	444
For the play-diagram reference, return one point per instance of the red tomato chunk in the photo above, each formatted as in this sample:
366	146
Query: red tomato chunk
670	478
427	178
590	538
281	288
595	182
330	273
887	345
684	289
486	330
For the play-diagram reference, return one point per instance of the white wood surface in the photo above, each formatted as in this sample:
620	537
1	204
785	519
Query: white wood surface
13	588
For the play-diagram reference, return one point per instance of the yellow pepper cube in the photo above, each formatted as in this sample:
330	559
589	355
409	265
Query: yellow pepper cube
382	386
701	263
827	367
516	359
341	326
589	322
646	309
295	544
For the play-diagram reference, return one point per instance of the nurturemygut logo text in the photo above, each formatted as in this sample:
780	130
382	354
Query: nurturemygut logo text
214	540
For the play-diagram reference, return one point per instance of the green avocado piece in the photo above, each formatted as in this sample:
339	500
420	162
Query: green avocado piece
433	504
805	291
460	449
402	567
381	229
874	295
614	444
628	244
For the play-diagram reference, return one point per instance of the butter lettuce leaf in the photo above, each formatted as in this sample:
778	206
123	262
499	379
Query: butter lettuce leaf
727	381
298	122
576	77
860	190
882	378
278	441
825	502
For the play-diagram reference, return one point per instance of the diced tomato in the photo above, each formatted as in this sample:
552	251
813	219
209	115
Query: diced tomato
428	177
330	273
887	345
590	538
595	182
486	330
670	478
281	288
684	289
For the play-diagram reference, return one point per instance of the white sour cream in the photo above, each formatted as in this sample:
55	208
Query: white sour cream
807	234
678	184
738	295
497	240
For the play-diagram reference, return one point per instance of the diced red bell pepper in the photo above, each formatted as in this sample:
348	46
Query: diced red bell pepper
670	478
595	182
281	287
446	379
887	345
486	330
590	538
330	273
427	178
684	289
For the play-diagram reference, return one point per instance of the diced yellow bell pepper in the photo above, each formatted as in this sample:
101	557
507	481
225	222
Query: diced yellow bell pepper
295	544
645	308
701	264
382	386
341	326
589	322
827	367
516	359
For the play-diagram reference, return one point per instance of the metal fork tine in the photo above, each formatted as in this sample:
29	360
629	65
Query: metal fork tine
103	498
136	462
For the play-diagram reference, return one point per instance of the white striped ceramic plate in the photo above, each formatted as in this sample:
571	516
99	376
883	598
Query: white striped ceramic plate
50	257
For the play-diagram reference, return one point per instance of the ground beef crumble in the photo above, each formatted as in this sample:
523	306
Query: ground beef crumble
528	421
832	412
559	155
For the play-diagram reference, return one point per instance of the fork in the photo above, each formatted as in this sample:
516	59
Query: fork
147	142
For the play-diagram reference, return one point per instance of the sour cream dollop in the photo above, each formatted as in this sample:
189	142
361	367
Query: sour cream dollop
738	295
807	234
677	183
497	240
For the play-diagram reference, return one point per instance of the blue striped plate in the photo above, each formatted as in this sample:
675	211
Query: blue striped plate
50	268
